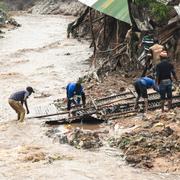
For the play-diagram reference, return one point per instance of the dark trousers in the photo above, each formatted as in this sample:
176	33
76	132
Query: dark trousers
70	101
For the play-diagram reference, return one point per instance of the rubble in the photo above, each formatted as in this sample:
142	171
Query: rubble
13	22
67	7
80	139
6	21
84	139
151	140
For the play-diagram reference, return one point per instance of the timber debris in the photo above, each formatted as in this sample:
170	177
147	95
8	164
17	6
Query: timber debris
100	110
117	44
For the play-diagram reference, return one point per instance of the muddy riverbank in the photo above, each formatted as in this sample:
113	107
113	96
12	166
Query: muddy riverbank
38	54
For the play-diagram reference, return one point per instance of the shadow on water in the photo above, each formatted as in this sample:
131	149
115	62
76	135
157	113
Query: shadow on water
85	122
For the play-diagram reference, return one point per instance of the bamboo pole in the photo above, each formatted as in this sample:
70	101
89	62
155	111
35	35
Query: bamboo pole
117	31
105	23
93	37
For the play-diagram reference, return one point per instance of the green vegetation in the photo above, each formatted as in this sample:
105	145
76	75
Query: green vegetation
158	10
144	3
3	6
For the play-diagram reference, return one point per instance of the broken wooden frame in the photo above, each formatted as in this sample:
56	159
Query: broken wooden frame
108	108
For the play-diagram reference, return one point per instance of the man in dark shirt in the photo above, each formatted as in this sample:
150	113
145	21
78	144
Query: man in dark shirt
16	101
164	70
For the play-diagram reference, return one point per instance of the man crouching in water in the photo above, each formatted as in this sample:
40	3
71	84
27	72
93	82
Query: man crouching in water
72	90
16	101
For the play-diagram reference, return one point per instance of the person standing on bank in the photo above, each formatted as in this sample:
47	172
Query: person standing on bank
164	70
141	85
16	101
72	90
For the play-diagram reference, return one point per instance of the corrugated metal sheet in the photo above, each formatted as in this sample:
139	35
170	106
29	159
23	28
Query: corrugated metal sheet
177	8
115	8
164	1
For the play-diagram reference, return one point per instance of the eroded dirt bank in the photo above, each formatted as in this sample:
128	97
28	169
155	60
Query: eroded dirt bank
39	54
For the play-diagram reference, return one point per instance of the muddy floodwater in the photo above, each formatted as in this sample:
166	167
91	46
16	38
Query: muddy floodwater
40	55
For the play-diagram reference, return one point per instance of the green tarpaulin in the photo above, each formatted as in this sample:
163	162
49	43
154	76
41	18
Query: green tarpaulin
115	8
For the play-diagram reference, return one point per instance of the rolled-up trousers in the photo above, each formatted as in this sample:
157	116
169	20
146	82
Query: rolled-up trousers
18	107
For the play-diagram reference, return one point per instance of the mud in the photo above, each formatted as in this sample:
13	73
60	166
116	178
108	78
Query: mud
153	143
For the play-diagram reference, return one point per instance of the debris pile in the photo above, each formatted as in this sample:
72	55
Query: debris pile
6	21
117	45
159	139
66	7
84	139
81	139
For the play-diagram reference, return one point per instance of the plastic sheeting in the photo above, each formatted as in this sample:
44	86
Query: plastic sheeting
115	8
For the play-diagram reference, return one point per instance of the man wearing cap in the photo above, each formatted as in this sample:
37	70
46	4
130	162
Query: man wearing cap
17	99
164	70
72	90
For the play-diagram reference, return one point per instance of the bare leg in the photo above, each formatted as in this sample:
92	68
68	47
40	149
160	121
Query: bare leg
162	105
169	104
136	102
145	105
22	116
18	115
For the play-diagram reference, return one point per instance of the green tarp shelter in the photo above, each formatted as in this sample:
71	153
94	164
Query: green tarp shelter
115	8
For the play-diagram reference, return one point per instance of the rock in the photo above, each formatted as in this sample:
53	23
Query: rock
122	89
63	139
133	159
67	54
148	125
52	132
78	138
167	131
159	125
67	7
13	22
147	164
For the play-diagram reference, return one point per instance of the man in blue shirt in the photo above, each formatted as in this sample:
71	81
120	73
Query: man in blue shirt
75	89
16	101
141	85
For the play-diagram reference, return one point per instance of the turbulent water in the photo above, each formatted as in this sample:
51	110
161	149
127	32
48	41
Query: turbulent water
38	54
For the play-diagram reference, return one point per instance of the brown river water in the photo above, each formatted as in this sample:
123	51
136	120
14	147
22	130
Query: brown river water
36	55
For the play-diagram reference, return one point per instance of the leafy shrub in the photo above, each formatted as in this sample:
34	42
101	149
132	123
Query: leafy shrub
144	3
159	11
3	6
